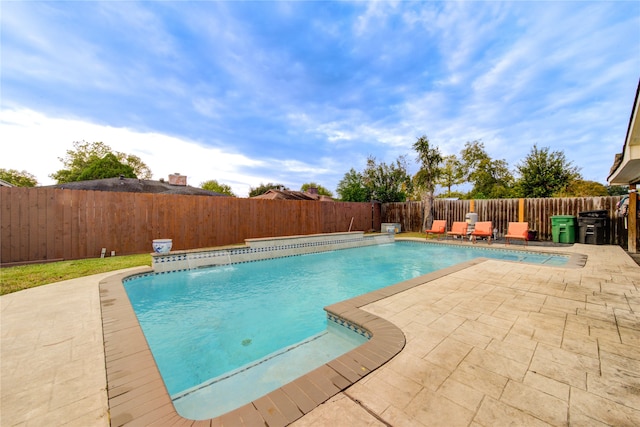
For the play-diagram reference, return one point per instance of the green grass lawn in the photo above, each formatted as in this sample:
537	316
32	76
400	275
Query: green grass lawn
411	234
14	279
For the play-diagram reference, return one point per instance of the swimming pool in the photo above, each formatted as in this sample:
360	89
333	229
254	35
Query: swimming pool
203	324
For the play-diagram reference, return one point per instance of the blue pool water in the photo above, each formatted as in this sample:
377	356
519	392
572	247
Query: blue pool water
202	324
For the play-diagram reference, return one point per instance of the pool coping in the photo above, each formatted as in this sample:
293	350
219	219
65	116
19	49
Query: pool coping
137	394
263	249
574	259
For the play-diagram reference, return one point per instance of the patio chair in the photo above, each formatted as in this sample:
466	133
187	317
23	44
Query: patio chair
518	231
482	229
439	227
458	228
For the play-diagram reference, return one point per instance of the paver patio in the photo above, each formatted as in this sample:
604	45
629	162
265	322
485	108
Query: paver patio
496	343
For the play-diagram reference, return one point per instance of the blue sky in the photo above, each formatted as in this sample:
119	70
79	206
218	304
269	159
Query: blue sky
293	92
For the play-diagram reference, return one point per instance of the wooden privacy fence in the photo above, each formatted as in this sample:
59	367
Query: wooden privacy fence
38	224
537	212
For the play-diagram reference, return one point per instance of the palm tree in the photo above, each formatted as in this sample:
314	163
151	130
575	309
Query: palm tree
425	179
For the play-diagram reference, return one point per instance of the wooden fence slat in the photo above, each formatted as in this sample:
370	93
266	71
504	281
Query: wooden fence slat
160	215
23	218
199	228
16	231
222	227
66	224
5	224
110	218
41	252
114	225
74	212
32	224
99	223
82	224
90	245
173	223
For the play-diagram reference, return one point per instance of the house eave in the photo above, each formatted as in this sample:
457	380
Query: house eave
627	173
626	167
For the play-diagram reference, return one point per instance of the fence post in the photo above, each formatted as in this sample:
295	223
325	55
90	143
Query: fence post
472	205
521	210
632	227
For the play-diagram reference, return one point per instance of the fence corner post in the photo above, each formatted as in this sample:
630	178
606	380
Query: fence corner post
521	210
632	218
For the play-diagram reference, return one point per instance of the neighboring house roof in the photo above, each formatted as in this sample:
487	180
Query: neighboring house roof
626	165
134	185
292	195
4	183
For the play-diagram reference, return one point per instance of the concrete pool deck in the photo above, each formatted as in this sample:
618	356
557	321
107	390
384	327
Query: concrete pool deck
495	343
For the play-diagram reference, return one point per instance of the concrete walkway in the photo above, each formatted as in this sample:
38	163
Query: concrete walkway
502	344
497	343
52	368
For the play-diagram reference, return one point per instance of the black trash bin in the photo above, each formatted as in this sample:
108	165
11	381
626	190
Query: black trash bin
593	227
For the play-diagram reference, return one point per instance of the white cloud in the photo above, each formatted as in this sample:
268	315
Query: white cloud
208	107
37	47
142	26
34	142
373	17
510	74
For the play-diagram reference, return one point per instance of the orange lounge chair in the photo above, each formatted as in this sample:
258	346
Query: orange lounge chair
458	228
518	231
438	227
482	229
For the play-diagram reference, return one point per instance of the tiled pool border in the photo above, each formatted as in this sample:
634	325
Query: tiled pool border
574	260
137	395
265	248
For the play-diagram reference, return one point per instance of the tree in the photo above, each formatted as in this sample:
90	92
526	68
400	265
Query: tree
582	188
263	188
18	178
84	154
106	167
471	155
452	195
352	188
213	185
544	173
387	183
617	190
425	179
141	170
491	179
451	173
321	190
